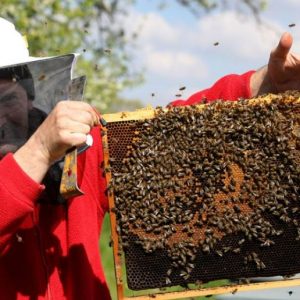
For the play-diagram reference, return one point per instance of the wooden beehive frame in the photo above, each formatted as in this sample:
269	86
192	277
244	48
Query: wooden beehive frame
149	113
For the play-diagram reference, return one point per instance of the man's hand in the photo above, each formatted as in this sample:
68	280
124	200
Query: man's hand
284	67
66	126
282	72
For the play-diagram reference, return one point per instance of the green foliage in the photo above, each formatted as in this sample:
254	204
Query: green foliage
200	7
54	27
107	257
93	28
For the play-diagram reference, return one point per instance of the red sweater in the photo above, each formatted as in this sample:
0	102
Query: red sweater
230	87
51	251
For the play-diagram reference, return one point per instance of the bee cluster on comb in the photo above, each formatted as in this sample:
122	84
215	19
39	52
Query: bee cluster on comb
208	192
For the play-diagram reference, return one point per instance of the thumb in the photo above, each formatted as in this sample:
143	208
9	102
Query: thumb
283	47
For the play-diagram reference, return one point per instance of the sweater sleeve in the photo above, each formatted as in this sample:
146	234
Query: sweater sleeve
230	87
18	192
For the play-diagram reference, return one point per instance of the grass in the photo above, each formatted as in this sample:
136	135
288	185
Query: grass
107	257
109	270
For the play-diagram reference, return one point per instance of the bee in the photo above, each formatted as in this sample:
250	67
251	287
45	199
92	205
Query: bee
267	243
123	115
206	248
113	210
234	291
42	77
242	241
185	275
112	160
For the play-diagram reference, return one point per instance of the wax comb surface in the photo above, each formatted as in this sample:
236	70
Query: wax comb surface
207	192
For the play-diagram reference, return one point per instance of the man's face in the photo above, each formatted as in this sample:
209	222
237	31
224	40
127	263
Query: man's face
14	107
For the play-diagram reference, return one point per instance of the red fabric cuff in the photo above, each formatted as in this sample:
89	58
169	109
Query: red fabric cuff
18	183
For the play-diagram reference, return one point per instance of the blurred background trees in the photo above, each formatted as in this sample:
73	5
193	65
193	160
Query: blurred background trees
94	28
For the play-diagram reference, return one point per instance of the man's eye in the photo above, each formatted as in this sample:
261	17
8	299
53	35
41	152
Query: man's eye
13	99
9	100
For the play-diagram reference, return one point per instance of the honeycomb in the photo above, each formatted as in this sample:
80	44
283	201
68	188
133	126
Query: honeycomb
207	192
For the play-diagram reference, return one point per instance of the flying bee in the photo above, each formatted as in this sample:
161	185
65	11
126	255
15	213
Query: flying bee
107	51
234	291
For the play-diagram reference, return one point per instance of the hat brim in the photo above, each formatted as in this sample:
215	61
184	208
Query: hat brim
31	59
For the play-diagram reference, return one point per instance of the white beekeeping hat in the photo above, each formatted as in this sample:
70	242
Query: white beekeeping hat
51	75
14	48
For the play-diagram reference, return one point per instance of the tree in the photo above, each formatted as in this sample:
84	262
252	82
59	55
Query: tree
55	27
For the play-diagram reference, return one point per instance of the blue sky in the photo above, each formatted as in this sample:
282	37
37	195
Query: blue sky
177	49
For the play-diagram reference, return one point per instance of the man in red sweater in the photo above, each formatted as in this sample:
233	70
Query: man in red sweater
51	251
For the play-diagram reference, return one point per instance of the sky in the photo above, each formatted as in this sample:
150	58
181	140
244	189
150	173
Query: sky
175	49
